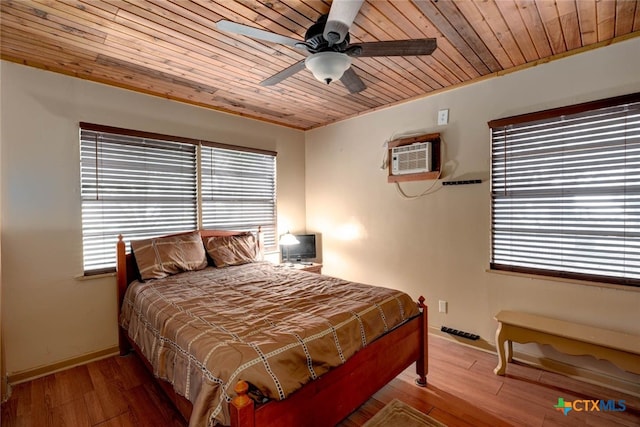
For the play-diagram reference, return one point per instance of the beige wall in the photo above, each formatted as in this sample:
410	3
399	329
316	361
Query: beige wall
48	316
438	246
3	378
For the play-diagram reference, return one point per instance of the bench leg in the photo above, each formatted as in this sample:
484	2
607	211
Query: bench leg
509	351
502	358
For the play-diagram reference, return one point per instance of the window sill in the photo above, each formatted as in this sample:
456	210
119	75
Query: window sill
564	280
84	277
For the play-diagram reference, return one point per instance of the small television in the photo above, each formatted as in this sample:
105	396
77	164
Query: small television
303	251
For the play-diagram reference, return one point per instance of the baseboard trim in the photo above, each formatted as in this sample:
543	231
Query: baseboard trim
546	364
32	374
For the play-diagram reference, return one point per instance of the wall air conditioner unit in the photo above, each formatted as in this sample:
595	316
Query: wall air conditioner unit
414	158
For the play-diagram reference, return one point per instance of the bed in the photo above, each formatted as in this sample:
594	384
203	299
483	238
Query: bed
253	344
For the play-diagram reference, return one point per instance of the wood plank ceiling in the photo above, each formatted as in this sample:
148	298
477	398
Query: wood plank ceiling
172	49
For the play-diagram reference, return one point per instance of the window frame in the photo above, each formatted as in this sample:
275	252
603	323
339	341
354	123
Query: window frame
198	143
549	116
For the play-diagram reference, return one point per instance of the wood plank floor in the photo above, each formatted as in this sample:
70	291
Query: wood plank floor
462	391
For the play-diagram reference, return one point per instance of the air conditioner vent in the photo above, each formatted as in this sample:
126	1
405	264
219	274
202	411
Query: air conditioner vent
414	158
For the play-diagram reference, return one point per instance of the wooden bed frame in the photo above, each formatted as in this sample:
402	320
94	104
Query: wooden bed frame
325	401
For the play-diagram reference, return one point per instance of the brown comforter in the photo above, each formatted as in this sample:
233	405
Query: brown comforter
274	327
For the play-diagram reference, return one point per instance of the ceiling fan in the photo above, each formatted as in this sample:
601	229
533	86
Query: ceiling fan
328	43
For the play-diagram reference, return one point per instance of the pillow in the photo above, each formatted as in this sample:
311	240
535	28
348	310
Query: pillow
163	256
232	250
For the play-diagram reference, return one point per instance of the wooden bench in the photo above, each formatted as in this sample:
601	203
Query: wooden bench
620	348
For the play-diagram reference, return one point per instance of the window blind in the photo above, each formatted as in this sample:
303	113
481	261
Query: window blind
142	185
566	192
239	191
135	186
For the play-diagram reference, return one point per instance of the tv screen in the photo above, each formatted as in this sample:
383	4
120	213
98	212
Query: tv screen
304	250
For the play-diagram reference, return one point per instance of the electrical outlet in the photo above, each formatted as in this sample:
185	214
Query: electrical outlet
443	117
442	306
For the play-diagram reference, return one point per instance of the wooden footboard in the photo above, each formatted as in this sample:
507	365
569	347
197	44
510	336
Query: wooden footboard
332	397
322	402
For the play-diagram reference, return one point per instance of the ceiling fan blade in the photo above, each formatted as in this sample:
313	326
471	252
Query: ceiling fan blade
255	33
394	48
341	16
287	72
352	82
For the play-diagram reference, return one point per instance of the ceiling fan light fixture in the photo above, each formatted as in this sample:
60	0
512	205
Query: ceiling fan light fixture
328	66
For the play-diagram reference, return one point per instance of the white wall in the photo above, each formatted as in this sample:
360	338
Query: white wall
47	315
438	246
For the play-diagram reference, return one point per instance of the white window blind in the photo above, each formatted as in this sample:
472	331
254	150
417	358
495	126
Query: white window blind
239	191
566	192
142	185
134	186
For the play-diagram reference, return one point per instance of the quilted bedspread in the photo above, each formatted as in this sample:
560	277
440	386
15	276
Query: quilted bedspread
273	327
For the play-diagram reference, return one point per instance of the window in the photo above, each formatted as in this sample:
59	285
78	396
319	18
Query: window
238	191
566	192
142	185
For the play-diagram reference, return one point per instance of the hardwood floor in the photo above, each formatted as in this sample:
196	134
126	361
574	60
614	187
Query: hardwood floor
462	391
